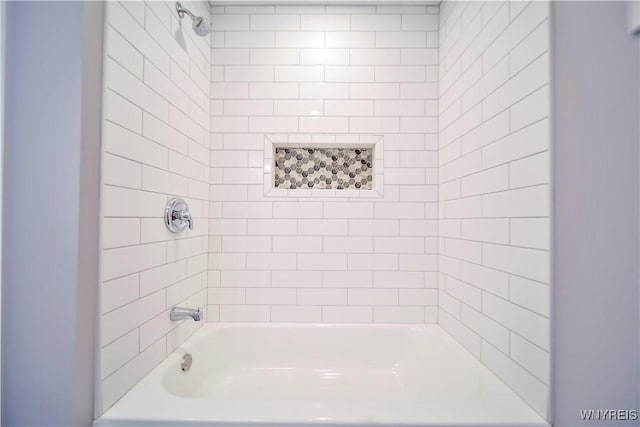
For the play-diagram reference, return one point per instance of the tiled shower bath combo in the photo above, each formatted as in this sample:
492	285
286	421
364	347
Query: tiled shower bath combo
368	181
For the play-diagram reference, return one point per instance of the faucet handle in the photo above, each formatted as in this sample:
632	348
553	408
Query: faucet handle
185	215
177	216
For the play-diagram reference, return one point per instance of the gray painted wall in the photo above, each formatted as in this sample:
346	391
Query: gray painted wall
596	247
50	275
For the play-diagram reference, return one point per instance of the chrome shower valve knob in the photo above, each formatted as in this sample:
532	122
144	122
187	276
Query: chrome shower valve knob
177	216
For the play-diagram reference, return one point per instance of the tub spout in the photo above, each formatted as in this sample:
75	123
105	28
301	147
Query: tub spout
180	313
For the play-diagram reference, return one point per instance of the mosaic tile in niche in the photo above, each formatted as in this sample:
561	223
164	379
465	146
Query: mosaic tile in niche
323	168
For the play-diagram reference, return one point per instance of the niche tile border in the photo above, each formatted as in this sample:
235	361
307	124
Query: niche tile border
299	141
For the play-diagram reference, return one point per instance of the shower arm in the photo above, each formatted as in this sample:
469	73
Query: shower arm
182	10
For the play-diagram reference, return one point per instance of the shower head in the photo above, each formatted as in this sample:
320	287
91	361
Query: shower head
200	25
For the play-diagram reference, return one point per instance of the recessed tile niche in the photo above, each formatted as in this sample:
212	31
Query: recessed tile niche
337	168
323	165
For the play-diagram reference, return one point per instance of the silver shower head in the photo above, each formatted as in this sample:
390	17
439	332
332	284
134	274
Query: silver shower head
200	25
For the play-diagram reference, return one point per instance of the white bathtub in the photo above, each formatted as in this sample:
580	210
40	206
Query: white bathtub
295	375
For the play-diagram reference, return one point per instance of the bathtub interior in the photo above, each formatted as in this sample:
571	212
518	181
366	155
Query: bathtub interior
326	363
426	379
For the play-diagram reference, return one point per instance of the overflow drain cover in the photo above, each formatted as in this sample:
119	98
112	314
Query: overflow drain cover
185	365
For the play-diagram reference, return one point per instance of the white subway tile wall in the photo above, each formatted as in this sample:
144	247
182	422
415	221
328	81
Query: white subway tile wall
494	201
156	146
314	70
458	234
